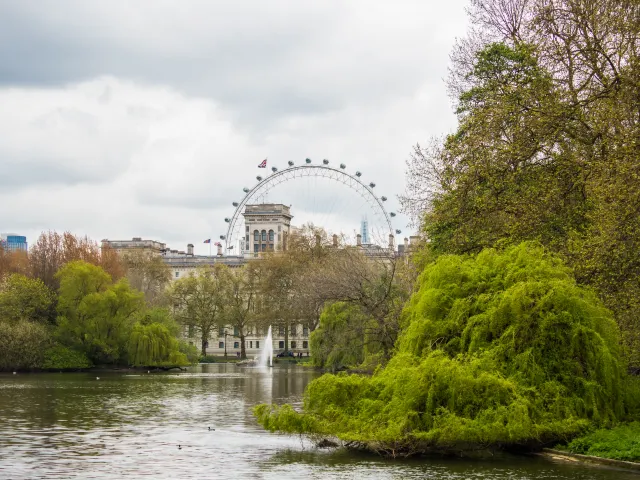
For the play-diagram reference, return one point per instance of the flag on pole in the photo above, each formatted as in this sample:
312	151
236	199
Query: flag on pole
208	240
263	164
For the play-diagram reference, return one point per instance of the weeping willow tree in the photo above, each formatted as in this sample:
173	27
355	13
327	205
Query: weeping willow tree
500	349
153	345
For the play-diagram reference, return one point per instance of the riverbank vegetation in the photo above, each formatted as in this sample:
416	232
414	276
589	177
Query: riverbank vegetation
500	349
618	443
61	309
523	323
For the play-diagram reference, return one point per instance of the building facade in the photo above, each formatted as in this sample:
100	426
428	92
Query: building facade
12	242
267	227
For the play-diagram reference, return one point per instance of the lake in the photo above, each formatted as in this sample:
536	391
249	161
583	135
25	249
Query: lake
130	425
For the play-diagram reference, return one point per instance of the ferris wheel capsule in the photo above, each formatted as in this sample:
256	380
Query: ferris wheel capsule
383	198
372	184
290	163
245	190
227	219
222	237
325	161
308	160
235	204
358	174
392	214
274	169
398	232
259	178
343	166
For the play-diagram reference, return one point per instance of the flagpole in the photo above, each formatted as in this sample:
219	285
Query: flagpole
209	247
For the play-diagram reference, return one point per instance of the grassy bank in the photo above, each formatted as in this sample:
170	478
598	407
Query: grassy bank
618	443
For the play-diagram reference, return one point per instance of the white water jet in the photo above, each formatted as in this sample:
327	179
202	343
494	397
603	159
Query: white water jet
266	354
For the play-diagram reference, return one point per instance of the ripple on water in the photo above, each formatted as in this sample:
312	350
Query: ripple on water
58	426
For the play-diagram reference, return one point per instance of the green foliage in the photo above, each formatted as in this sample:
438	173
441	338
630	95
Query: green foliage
341	339
95	316
23	298
497	349
22	345
619	443
153	345
59	357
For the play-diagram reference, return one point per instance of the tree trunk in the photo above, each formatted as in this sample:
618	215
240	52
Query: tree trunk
243	350
204	346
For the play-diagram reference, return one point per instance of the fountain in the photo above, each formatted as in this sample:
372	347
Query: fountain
266	355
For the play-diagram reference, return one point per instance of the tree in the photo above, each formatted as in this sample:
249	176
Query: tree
23	298
546	148
148	274
96	316
240	310
51	251
199	301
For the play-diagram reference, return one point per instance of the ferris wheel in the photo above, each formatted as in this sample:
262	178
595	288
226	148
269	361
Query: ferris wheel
363	199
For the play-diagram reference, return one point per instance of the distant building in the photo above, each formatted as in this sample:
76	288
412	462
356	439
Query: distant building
267	227
136	244
12	242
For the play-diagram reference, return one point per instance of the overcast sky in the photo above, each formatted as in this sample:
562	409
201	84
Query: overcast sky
147	118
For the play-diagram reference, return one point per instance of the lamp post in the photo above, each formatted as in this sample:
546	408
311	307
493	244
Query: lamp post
225	343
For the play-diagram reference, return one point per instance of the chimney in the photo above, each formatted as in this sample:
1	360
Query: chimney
220	250
358	240
335	240
190	249
390	241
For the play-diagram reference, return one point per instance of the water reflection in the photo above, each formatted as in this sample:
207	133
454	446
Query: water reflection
130	425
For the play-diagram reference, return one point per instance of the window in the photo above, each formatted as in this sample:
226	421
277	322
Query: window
305	344
236	344
177	274
293	344
257	343
279	228
221	345
247	229
293	330
256	247
221	331
191	331
256	235
281	344
305	331
250	344
271	234
236	332
264	235
247	239
281	330
264	247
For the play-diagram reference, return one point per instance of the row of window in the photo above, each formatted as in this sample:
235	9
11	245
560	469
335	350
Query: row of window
258	235
305	344
258	331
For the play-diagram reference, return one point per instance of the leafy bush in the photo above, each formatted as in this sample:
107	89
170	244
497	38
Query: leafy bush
22	345
207	359
190	351
619	443
498	349
61	357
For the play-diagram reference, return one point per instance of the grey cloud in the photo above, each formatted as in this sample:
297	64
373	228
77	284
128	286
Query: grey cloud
259	62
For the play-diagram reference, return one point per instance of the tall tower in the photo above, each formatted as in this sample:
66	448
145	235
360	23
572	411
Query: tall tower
364	230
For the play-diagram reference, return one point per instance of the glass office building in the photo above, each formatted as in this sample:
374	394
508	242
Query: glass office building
13	242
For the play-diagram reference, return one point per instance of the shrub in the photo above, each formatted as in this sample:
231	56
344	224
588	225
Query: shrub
22	345
619	443
59	357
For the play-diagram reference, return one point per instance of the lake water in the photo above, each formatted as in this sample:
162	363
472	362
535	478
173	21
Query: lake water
129	425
